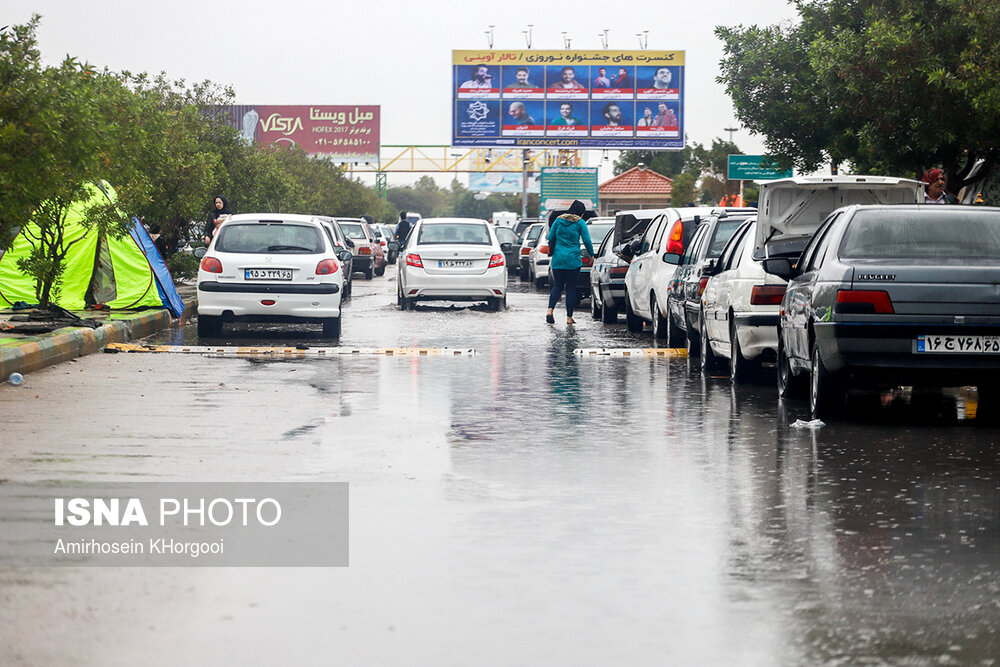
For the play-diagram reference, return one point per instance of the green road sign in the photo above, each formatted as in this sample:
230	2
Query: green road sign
754	168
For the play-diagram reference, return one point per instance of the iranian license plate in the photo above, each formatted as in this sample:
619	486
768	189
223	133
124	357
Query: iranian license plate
959	344
455	264
267	274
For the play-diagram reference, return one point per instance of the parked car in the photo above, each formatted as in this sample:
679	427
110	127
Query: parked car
452	259
341	241
267	267
508	239
684	296
738	318
888	296
368	256
607	282
529	239
523	224
653	259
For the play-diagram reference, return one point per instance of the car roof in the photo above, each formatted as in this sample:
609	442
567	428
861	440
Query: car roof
283	217
425	221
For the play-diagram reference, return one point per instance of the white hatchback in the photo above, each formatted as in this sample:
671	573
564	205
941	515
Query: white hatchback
269	267
452	259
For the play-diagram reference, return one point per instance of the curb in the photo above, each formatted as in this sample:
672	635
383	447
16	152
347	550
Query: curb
72	342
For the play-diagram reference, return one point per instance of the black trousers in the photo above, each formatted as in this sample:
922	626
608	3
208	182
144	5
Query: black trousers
564	279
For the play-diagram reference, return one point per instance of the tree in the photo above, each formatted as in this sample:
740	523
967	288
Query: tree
668	163
889	86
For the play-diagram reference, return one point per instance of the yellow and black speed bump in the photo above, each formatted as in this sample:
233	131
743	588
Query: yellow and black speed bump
292	352
632	352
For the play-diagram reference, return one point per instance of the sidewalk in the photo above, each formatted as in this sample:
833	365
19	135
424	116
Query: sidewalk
27	353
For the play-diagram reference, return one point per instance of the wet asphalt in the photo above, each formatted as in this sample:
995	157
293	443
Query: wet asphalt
518	506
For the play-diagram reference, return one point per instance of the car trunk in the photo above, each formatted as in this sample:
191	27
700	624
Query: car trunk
942	287
455	259
629	226
791	209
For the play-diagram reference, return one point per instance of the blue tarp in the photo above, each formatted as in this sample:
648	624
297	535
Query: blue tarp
164	281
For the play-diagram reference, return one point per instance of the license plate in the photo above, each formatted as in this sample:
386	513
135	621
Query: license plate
267	274
455	264
959	344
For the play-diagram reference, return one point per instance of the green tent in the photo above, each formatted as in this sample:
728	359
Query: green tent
111	271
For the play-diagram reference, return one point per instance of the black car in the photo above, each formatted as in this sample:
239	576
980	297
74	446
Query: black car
887	296
607	282
684	298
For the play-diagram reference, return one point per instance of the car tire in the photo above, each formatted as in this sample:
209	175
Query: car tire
693	343
496	304
708	361
380	271
539	281
400	299
524	273
595	308
789	384
827	393
675	337
632	321
331	327
609	314
209	326
369	273
741	369
659	323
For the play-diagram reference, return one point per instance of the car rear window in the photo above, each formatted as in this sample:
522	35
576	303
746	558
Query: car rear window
475	234
353	231
599	231
265	237
723	232
950	233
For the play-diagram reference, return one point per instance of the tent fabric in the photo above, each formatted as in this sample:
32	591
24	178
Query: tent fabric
98	269
164	281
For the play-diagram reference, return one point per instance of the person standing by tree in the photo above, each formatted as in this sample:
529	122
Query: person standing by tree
219	210
564	238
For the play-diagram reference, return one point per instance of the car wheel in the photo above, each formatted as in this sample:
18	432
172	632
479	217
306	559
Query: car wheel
400	299
609	314
693	343
496	304
380	271
524	272
209	326
632	321
708	360
331	327
369	272
826	391
740	368
539	281
675	337
659	321
789	384
595	308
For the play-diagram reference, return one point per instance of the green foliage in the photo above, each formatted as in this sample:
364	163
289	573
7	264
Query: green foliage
426	198
891	87
699	173
183	266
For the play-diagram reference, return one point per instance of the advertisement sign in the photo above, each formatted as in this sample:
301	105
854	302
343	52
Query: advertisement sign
506	183
754	168
561	185
568	99
341	133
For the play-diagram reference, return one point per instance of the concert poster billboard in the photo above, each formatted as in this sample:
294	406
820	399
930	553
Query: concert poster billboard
341	133
568	99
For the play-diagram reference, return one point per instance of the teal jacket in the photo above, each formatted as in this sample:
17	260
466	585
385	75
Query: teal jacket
564	241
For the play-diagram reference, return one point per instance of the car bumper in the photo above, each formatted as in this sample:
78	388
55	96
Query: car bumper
417	284
241	301
613	294
758	334
363	262
886	354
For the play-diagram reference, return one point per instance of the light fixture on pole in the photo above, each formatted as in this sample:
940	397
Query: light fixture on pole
566	41
643	39
489	36
730	130
527	35
604	39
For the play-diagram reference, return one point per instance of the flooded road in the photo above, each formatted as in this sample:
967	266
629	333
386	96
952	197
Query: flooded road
519	506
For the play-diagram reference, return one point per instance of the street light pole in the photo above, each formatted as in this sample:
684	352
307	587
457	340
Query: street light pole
730	130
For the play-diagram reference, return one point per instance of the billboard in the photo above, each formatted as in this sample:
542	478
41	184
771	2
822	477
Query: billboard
561	185
342	133
568	99
753	168
506	183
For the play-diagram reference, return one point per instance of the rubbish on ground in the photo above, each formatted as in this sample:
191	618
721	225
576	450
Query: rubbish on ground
15	379
815	423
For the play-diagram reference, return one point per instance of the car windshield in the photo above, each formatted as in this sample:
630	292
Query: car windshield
951	233
723	232
454	232
269	237
353	231
599	231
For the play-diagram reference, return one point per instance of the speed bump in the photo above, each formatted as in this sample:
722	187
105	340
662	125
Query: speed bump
291	352
637	352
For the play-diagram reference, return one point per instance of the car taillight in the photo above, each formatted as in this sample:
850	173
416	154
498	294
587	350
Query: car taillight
414	260
211	264
619	271
365	250
525	251
588	261
859	302
701	287
766	295
543	250
676	242
496	260
326	267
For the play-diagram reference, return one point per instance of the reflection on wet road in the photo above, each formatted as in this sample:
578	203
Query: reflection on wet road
522	506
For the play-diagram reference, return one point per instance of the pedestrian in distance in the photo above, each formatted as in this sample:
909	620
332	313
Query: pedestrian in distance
220	213
402	229
565	235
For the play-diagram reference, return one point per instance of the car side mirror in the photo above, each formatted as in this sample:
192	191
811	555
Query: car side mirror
345	255
349	242
393	246
779	266
671	258
506	247
200	252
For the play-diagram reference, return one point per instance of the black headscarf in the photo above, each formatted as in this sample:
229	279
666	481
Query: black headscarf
577	208
216	212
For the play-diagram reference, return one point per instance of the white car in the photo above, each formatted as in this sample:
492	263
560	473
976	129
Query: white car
452	259
529	239
738	320
271	267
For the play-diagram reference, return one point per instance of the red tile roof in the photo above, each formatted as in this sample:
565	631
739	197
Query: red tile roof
637	181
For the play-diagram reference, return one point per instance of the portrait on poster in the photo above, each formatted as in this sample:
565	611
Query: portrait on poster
567	119
524	118
658	120
567	82
524	82
619	82
477	81
658	82
611	119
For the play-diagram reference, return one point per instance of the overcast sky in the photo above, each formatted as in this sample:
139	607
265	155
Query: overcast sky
391	53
